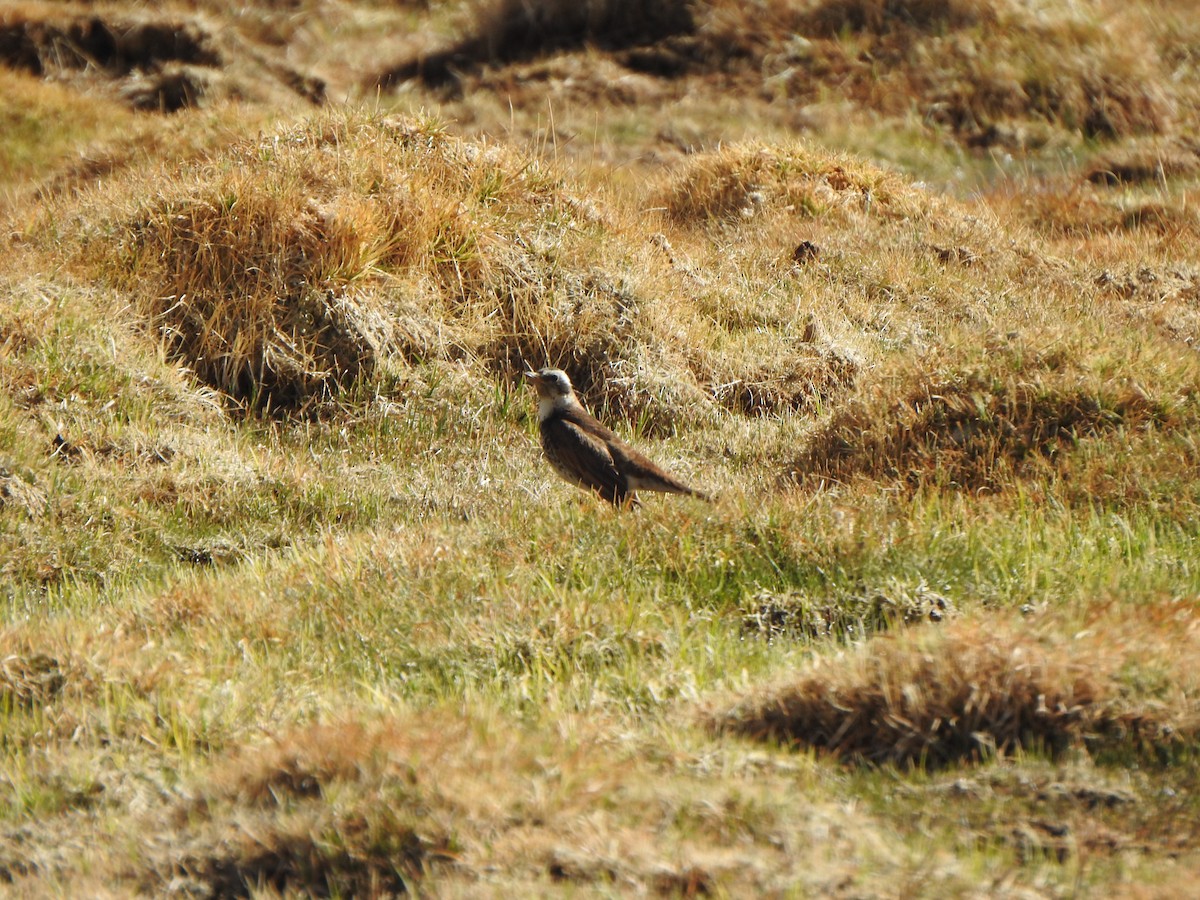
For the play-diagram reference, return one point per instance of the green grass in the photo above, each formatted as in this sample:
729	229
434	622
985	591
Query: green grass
366	642
409	553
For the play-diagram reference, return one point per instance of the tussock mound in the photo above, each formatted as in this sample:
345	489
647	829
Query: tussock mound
743	181
287	268
45	46
974	67
1073	215
1146	163
257	265
290	267
972	429
968	690
798	381
380	847
28	680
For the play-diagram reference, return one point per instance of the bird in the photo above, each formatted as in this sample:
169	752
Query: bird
588	454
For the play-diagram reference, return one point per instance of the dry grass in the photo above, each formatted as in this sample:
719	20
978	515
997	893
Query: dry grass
1145	163
161	62
279	289
281	280
975	430
504	31
1010	76
979	688
29	680
972	67
744	181
831	17
796	615
370	645
1070	211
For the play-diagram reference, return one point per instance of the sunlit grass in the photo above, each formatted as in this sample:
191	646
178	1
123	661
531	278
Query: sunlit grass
291	603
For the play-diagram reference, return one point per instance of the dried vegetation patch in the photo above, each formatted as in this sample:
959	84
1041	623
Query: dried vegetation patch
1010	74
795	615
1106	215
294	817
505	31
189	590
991	73
412	801
286	269
1146	162
153	62
740	182
296	264
979	687
977	429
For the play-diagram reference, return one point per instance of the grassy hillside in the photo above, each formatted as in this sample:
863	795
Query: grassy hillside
292	605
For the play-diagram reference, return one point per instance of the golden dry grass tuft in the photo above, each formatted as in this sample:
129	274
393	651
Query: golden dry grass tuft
279	278
376	808
29	679
1121	198
976	429
1145	162
43	38
973	689
831	17
332	809
743	181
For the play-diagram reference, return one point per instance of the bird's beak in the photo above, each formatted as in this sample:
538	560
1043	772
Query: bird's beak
532	375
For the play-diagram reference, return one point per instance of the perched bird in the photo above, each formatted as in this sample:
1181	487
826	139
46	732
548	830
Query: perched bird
589	455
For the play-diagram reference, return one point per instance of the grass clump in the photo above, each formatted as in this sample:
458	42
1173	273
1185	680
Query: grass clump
797	615
29	679
330	810
832	17
973	689
988	72
975	429
741	182
156	63
278	278
42	39
1142	162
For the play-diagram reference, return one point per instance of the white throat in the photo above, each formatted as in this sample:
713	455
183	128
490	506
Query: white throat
548	406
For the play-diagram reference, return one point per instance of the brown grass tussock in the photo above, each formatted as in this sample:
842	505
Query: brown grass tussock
975	688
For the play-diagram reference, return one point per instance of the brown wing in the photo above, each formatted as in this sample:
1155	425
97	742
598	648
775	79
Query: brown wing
641	474
582	459
592	426
636	471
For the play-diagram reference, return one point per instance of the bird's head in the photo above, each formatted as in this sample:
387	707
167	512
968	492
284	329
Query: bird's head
550	384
